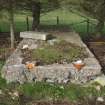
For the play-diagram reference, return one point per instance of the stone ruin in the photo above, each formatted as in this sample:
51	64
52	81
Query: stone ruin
15	71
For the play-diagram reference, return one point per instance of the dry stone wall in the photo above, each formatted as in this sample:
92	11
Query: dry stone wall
15	71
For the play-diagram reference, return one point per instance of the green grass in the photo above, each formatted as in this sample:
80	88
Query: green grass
66	18
46	91
49	21
58	53
42	91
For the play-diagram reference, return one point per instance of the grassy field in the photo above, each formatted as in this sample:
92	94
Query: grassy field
66	18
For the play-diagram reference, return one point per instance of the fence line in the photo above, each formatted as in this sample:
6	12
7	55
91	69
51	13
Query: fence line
89	25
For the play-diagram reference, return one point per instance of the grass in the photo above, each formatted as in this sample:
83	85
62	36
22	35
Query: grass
42	91
46	91
60	52
39	92
66	18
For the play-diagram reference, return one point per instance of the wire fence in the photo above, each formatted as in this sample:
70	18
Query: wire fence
85	26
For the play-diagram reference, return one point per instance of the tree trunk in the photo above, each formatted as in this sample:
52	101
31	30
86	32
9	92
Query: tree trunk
36	15
12	34
99	28
11	19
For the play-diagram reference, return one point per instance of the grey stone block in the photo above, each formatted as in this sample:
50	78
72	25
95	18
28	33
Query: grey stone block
14	73
35	35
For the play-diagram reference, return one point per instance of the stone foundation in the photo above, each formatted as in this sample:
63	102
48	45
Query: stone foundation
15	71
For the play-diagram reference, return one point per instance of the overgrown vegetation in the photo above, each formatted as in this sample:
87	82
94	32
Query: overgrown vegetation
46	91
61	52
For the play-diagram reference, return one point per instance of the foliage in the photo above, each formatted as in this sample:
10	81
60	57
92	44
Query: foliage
88	8
1	64
16	5
69	4
44	91
95	8
2	81
50	92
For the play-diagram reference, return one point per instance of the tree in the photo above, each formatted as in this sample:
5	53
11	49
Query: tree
95	9
9	7
91	8
37	7
11	18
34	5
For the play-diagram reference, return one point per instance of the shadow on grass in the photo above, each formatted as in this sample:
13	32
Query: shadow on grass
61	28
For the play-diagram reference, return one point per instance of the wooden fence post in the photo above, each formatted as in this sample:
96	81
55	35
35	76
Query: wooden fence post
88	26
57	20
27	22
